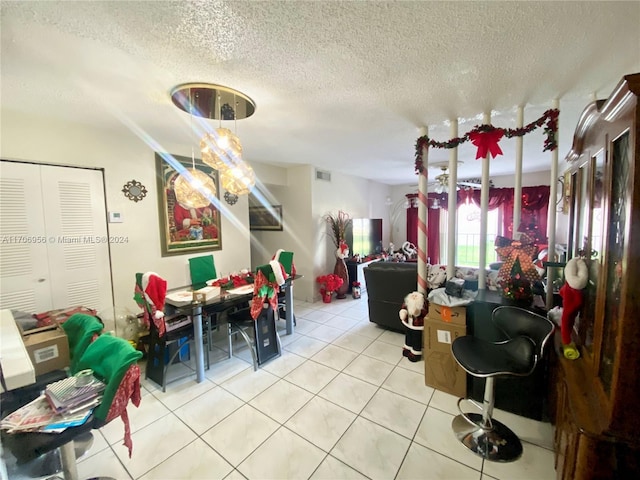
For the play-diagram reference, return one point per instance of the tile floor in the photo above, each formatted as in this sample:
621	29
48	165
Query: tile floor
340	403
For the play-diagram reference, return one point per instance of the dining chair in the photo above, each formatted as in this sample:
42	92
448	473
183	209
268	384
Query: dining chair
256	324
114	361
202	269
166	345
286	260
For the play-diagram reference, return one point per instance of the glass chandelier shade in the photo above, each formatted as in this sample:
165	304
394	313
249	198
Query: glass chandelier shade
239	179
189	188
221	149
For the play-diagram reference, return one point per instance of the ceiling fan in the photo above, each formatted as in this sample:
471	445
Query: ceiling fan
442	181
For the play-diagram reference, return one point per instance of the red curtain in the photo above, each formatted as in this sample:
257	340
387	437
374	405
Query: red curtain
533	216
433	227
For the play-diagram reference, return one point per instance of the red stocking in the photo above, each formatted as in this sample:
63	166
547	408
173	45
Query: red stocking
571	304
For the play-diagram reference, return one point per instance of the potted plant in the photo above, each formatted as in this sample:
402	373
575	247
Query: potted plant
329	284
338	225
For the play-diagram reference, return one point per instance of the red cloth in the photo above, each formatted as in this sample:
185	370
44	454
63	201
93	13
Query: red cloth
572	300
129	389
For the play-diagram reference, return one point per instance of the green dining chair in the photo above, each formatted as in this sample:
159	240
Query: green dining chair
201	269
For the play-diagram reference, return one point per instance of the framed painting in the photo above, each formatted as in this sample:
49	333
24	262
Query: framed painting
189	217
265	218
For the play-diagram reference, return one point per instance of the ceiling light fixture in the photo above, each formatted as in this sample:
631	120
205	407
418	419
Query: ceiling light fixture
193	187
220	149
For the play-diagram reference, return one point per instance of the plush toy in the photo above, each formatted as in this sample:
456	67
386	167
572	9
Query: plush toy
576	275
412	314
436	276
409	249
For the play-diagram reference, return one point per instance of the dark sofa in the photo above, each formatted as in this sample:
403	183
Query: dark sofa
387	285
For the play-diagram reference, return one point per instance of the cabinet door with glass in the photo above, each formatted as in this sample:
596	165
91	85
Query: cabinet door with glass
592	224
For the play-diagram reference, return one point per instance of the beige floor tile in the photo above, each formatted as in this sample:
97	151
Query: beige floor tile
284	455
238	435
371	449
321	422
196	461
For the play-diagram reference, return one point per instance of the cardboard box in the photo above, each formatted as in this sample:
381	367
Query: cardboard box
442	313
441	371
48	348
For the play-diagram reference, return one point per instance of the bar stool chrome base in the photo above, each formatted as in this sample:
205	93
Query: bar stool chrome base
497	444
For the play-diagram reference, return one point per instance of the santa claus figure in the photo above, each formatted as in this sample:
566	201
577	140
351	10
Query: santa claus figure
576	276
412	314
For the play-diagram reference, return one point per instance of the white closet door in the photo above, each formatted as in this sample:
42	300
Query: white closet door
53	245
24	270
76	219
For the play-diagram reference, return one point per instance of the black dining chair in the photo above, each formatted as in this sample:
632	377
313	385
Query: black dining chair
525	336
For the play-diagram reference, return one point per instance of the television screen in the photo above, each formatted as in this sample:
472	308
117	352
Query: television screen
364	236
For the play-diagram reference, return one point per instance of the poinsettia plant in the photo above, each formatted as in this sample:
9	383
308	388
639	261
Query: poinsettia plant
330	283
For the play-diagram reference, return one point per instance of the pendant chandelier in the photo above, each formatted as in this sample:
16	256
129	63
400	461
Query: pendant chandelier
220	149
193	187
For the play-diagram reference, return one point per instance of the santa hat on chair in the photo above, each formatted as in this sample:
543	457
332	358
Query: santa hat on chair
278	272
155	291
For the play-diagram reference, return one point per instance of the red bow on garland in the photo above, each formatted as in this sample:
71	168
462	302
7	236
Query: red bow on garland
487	141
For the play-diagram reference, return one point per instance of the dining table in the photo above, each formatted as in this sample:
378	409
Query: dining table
227	299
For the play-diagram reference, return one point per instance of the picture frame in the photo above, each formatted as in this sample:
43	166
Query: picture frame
185	230
265	217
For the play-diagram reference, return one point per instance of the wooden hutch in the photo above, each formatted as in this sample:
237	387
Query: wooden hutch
597	405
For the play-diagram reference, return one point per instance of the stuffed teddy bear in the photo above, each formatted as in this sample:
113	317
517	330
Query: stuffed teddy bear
576	275
412	314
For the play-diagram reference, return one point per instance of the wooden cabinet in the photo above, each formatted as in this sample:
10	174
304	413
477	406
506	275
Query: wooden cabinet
598	395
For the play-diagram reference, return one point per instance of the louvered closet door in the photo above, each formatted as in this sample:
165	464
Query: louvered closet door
73	224
24	270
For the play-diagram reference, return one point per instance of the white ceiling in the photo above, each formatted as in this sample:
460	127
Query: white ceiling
340	85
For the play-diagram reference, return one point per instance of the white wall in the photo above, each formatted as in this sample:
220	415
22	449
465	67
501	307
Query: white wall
305	202
124	157
358	197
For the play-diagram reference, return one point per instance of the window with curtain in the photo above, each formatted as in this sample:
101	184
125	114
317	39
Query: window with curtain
533	216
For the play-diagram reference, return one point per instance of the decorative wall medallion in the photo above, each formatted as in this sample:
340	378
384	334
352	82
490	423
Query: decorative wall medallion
134	190
230	198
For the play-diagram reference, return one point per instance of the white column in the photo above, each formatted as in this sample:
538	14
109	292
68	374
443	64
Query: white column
517	189
453	202
422	219
484	209
551	217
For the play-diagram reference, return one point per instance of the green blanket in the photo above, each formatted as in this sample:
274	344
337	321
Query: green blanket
80	329
109	358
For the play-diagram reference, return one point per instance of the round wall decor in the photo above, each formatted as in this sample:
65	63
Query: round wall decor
134	190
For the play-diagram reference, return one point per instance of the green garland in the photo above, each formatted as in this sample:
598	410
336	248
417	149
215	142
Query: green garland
549	119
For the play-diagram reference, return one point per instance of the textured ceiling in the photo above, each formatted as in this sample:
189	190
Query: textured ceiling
340	85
